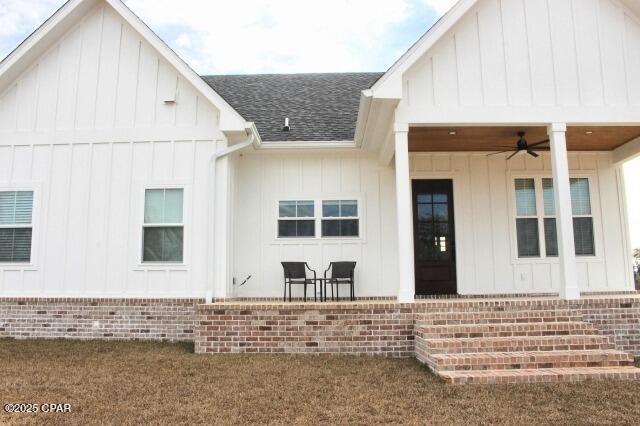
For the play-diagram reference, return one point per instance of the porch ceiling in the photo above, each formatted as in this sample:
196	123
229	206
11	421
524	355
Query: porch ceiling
493	138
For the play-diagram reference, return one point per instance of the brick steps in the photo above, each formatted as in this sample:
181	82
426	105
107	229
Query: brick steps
517	344
541	375
507	330
498	317
529	360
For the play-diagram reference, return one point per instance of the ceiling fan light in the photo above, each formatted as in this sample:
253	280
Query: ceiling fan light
452	132
588	132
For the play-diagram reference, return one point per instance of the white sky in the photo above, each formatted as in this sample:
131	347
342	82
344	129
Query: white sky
261	36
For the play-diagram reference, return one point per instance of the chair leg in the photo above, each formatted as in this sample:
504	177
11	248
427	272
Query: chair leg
289	291
305	292
285	291
337	291
315	292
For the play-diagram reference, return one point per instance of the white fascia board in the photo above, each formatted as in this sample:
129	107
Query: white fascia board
390	84
364	111
626	152
307	145
230	119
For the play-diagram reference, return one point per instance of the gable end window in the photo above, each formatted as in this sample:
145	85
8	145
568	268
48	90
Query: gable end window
16	227
163	228
536	217
296	218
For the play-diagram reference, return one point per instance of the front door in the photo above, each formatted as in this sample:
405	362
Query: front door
433	237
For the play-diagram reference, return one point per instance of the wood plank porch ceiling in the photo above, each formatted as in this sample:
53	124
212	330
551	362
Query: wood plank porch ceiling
439	139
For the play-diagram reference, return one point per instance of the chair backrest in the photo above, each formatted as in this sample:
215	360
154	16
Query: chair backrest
342	269
294	270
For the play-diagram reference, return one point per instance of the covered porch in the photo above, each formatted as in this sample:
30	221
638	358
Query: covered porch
496	208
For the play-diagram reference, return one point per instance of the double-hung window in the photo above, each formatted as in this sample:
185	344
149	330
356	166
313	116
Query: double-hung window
296	218
582	217
535	224
340	218
163	228
16	227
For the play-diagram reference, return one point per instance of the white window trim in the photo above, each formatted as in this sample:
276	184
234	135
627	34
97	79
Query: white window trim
138	263
317	217
338	218
537	176
36	188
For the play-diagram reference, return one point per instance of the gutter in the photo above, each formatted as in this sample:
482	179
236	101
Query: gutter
364	110
252	139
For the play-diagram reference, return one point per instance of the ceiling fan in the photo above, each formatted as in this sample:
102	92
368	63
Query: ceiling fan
523	145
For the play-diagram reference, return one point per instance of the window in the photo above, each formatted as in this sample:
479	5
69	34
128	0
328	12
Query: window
163	228
529	218
582	218
526	218
340	218
296	219
16	227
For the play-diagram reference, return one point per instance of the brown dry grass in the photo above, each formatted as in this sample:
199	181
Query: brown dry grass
133	382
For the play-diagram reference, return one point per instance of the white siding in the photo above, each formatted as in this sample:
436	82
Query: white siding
519	53
264	178
102	81
87	128
485	224
88	217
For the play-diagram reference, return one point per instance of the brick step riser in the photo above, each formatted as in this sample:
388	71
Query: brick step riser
505	330
516	344
550	378
474	318
517	362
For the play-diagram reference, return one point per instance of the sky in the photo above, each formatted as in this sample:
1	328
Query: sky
280	36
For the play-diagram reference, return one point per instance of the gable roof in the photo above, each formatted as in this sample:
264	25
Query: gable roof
73	10
320	107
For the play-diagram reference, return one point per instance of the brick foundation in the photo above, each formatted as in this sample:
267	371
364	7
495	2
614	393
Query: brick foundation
118	319
356	328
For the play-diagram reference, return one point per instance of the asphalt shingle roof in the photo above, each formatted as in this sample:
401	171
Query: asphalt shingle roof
320	107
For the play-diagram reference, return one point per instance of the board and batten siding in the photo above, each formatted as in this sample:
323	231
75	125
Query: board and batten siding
559	54
86	127
487	261
264	178
88	213
102	81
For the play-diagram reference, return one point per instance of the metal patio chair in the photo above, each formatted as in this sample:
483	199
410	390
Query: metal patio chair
296	273
341	273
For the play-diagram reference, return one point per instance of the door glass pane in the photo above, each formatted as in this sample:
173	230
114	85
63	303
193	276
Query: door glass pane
551	237
440	198
441	212
425	212
527	233
424	198
580	197
525	197
583	236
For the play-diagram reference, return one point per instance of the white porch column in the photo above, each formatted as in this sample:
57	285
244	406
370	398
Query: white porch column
564	217
406	285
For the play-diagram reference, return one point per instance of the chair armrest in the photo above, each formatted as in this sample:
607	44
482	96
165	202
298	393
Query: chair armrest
311	270
327	270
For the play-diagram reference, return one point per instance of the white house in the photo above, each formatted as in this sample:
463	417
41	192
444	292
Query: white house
125	174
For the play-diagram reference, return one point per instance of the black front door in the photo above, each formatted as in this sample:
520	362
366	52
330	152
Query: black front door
433	237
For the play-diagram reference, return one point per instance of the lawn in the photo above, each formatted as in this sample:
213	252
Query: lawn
133	382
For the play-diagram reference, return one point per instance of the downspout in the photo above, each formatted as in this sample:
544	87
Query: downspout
214	160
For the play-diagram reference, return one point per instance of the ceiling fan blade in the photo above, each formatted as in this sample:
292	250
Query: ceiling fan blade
533	154
538	143
512	155
499	152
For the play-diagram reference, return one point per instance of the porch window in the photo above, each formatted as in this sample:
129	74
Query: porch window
163	228
526	218
340	218
582	218
535	224
16	227
296	218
